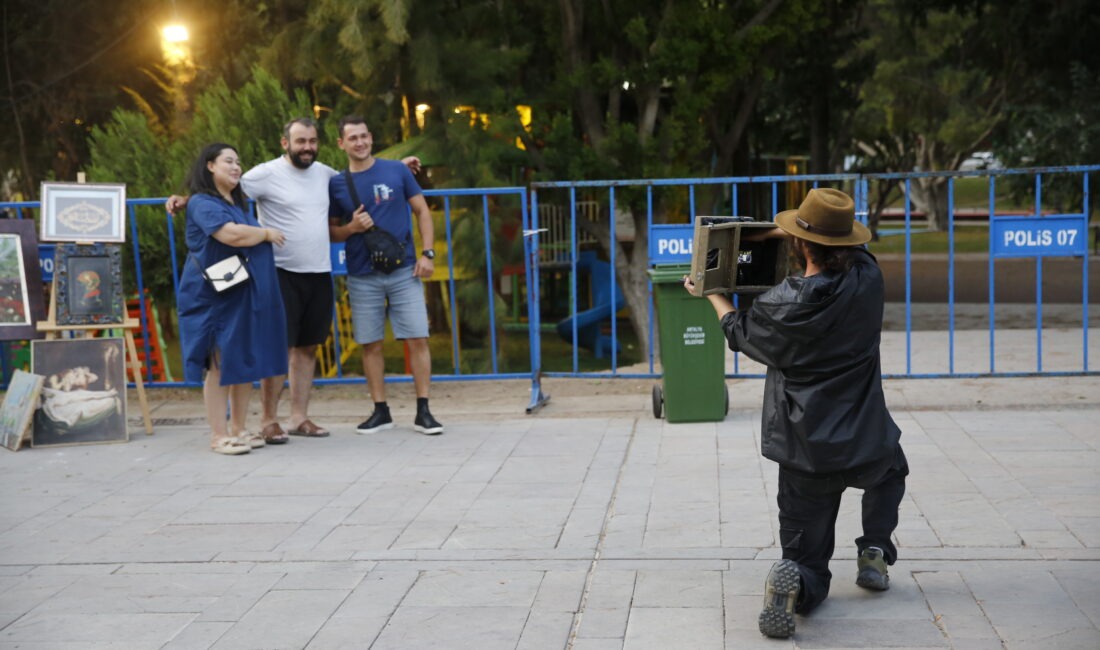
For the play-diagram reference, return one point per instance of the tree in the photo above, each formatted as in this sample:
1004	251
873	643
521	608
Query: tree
809	108
58	80
1053	116
617	89
68	64
658	89
931	99
1068	134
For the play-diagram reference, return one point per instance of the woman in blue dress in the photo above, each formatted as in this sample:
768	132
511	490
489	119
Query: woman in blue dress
236	336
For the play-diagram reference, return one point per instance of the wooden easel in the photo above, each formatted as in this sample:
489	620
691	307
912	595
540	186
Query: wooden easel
52	329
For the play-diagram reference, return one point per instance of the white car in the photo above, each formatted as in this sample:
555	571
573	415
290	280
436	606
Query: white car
980	160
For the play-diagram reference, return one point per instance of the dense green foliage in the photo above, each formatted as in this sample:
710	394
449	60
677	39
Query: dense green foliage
617	89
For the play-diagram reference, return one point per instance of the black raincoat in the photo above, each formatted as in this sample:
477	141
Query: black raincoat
824	410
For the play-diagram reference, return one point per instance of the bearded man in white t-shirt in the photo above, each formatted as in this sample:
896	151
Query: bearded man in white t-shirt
291	194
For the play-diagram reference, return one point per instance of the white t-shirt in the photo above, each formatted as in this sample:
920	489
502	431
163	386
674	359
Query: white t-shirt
295	202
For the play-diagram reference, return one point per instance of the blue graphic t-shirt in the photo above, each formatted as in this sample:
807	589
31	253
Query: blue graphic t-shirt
384	190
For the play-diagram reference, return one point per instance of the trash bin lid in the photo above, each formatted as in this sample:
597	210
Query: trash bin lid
669	273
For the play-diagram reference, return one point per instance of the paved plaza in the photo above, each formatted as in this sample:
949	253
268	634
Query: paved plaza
589	525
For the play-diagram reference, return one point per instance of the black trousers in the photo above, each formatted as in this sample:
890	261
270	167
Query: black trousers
808	506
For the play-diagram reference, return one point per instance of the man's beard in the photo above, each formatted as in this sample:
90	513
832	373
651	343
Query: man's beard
296	159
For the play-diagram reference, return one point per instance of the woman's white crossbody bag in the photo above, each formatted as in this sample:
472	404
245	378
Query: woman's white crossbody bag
227	273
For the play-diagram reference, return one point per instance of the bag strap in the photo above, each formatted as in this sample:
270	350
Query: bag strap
354	193
202	271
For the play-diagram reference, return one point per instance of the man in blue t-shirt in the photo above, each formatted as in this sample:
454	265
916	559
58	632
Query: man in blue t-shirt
385	191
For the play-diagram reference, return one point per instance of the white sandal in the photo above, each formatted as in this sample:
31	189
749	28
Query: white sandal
229	447
252	440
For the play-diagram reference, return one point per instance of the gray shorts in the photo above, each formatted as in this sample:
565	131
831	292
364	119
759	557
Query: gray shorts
398	295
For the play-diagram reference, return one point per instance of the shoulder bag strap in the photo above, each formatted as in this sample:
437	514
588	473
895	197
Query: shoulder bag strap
202	271
352	192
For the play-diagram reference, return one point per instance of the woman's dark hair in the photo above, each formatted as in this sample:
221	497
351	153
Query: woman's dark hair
829	258
201	181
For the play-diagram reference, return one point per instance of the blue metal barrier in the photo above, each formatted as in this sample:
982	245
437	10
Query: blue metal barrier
1074	227
1037	221
676	253
549	215
486	204
479	200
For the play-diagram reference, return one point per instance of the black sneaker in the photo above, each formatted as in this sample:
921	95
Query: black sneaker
378	421
872	570
426	424
780	596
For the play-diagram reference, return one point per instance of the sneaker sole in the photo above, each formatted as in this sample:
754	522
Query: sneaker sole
871	579
381	427
780	594
428	431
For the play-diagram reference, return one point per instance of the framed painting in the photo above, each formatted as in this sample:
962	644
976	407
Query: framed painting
18	408
22	301
84	212
89	284
84	394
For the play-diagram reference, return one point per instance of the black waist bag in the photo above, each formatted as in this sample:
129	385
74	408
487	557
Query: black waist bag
386	252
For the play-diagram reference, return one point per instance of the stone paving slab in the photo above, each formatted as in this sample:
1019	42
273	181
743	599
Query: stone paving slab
605	529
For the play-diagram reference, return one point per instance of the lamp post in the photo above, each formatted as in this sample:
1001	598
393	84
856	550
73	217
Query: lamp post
179	68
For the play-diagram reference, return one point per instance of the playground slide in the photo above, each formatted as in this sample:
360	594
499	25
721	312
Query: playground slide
590	321
589	328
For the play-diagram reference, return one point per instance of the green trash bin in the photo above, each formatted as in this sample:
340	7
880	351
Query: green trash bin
692	352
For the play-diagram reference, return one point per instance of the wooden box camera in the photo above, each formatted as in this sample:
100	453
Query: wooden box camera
724	261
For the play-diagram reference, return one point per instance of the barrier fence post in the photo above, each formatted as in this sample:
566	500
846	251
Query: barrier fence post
531	269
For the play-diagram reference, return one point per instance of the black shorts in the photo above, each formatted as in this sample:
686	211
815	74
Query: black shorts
307	298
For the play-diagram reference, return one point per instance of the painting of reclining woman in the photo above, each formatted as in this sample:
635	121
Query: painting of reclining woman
84	395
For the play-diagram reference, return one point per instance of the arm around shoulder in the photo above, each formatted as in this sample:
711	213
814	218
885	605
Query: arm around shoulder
175	203
337	232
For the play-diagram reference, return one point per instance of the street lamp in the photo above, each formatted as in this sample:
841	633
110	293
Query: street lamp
175	33
173	41
179	69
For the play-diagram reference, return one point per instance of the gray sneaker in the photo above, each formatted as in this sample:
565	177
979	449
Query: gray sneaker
780	596
872	570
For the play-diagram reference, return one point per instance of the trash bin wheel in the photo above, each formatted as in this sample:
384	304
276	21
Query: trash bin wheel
726	392
658	401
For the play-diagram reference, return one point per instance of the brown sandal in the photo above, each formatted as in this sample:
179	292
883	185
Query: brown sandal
274	435
310	430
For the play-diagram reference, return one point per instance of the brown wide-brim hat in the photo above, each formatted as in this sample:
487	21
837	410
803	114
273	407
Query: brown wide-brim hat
827	217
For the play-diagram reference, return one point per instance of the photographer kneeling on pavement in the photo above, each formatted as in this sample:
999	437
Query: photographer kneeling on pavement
824	416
